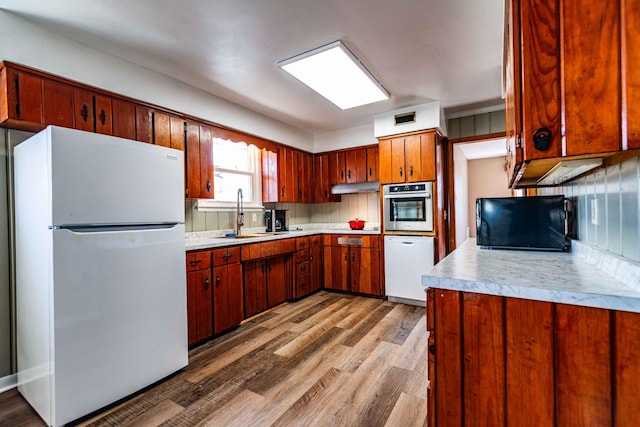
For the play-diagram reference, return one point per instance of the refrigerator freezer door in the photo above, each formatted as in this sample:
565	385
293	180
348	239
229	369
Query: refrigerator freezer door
406	259
120	320
99	179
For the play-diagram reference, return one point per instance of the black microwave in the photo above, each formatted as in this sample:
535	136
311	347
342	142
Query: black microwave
534	223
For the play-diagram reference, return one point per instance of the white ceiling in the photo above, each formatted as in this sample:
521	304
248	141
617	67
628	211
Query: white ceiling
420	50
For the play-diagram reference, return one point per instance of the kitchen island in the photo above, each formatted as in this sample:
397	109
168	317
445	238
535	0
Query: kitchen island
518	336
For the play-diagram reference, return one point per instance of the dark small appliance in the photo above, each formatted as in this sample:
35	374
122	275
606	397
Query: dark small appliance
276	220
534	223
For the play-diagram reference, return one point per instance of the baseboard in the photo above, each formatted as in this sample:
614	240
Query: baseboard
8	382
407	301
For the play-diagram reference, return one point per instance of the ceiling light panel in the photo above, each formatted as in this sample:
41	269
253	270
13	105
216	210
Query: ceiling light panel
335	73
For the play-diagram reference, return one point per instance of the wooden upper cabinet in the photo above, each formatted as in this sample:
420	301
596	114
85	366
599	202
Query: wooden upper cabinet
287	174
356	165
144	124
572	91
322	177
372	164
177	135
631	60
409	158
20	96
123	119
269	176
92	112
206	162
161	129
306	180
57	103
192	160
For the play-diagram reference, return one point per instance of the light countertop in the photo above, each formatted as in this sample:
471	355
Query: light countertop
216	239
584	276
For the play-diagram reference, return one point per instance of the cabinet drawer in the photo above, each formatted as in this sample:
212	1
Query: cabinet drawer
226	256
315	241
364	241
301	256
302	243
302	268
198	260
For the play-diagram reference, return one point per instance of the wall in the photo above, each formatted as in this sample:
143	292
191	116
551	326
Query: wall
28	44
344	138
486	178
613	194
477	124
461	195
362	206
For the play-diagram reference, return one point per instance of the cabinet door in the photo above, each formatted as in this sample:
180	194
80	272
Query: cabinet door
288	174
631	20
24	97
236	298
206	161
364	270
338	271
372	164
413	164
398	169
384	158
199	297
161	129
276	281
269	176
356	165
123	119
103	114
192	156
58	106
227	297
255	288
305	181
591	65
83	110
428	156
315	268
144	123
321	174
177	129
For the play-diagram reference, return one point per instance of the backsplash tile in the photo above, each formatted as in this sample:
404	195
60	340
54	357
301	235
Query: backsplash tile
615	193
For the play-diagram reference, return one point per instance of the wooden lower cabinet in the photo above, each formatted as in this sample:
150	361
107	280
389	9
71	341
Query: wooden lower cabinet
199	296
352	264
228	310
265	284
506	361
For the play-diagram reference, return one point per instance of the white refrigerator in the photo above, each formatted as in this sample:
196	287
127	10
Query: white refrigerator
100	269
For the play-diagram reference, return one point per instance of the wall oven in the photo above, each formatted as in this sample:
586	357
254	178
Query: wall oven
408	207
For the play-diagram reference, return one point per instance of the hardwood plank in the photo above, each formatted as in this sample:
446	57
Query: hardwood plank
240	379
410	316
408	411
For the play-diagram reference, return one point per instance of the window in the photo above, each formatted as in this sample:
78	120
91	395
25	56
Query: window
236	166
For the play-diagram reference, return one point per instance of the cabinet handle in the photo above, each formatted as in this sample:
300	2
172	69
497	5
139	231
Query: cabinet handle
262	267
542	139
303	269
349	174
411	170
84	113
311	258
16	84
282	192
400	171
341	174
206	284
353	257
103	117
432	349
217	281
195	262
226	257
269	268
370	171
346	257
208	186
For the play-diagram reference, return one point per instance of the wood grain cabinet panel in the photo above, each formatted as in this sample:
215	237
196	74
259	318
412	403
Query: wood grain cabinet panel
21	96
631	64
372	164
352	266
408	158
57	104
255	289
626	369
199	296
269	176
205	139
228	307
92	112
144	124
161	129
123	119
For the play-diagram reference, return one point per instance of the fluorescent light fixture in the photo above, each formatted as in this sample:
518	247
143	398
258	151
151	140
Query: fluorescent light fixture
335	73
565	170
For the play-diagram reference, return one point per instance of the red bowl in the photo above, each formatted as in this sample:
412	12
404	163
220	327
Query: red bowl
356	224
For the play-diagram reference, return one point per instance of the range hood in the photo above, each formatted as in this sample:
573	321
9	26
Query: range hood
359	187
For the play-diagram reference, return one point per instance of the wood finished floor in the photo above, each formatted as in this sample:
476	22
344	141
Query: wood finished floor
327	360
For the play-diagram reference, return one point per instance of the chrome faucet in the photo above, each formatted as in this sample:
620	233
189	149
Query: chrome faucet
239	212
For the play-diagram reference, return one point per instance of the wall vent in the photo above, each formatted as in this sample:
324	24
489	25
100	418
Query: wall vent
401	119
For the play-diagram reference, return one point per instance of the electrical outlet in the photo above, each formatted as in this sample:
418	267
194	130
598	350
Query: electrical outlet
254	217
594	212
